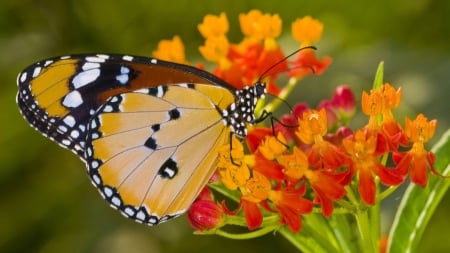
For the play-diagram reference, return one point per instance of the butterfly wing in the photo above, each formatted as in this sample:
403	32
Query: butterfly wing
59	95
151	151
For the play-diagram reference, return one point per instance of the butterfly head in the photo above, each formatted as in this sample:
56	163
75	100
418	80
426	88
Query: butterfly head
241	112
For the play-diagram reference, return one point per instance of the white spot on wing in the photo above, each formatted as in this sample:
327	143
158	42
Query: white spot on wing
127	58
96	180
124	70
74	134
95	136
90	65
160	92
62	128
115	201
85	77
103	56
141	91
94	164
123	79
108	108
129	211
140	215
93	124
36	71
89	152
73	99
23	77
69	120
66	142
169	172
107	191
95	59
48	62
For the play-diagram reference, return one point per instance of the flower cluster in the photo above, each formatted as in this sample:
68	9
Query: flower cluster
311	159
244	63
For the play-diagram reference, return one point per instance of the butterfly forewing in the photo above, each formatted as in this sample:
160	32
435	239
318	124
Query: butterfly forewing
150	152
58	96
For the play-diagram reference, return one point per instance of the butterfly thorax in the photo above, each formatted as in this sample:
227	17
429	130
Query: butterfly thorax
241	112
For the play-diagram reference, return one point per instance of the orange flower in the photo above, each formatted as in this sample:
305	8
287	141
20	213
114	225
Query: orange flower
232	166
312	127
420	130
214	26
307	30
234	177
256	188
271	169
272	147
171	50
216	50
254	192
417	160
325	184
216	46
247	63
307	63
295	164
252	213
378	106
256	135
291	205
328	187
322	154
258	26
362	149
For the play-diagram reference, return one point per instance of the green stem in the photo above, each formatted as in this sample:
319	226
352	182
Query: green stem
249	235
284	93
362	219
268	221
386	193
351	195
374	218
221	189
312	238
341	229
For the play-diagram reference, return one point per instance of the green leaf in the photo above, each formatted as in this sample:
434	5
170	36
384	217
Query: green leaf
418	204
378	81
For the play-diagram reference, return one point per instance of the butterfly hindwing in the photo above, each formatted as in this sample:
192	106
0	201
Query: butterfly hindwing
151	151
59	95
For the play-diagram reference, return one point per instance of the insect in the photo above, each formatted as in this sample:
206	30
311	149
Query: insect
148	130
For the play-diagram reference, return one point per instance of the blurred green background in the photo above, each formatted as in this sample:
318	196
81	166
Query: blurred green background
47	203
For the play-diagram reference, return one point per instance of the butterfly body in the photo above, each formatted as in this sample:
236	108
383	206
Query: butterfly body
148	130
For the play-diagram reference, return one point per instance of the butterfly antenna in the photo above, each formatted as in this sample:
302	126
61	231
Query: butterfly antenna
283	60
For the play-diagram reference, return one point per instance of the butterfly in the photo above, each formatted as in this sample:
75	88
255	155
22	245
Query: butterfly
148	130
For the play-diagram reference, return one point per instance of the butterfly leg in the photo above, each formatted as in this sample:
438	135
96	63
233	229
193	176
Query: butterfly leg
264	115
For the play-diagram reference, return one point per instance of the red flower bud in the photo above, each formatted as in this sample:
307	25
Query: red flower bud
205	215
344	100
